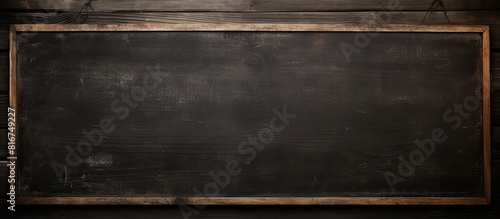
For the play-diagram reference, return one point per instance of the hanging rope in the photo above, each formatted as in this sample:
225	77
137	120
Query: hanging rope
434	5
86	6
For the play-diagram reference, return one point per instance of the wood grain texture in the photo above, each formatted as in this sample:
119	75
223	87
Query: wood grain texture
468	17
4	174
261	212
3	143
246	27
495	84
495	143
4	101
4	41
486	80
4	72
242	5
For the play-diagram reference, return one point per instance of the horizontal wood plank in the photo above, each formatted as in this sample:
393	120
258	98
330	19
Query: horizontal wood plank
402	28
247	212
461	17
495	143
4	184
4	173
495	84
4	39
3	143
4	71
4	103
243	5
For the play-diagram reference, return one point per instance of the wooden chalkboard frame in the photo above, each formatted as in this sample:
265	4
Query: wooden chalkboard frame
481	29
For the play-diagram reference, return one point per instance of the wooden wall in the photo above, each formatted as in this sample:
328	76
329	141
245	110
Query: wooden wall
255	11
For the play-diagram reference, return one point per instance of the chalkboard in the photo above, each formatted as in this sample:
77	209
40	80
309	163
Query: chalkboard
251	114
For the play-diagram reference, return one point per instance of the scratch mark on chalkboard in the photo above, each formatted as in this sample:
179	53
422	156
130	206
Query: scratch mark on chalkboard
63	41
291	164
83	86
359	111
289	91
126	42
65	174
84	66
106	89
101	160
35	44
418	48
211	90
256	85
210	134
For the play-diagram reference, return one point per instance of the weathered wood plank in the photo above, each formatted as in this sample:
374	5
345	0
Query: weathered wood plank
4	71
495	83
460	17
485	18
3	141
7	18
243	5
247	212
495	143
4	39
4	185
4	103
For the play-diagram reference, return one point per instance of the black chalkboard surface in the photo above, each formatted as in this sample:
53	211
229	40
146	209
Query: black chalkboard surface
251	114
